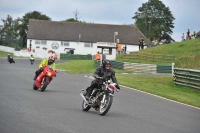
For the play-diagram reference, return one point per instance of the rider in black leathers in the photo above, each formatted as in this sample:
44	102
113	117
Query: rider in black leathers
104	71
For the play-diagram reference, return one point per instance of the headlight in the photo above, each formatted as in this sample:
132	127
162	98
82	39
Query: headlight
49	74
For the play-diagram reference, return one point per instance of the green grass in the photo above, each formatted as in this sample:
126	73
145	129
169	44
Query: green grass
162	86
121	58
82	66
5	54
179	49
187	54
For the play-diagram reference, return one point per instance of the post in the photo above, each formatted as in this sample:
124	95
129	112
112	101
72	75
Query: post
173	69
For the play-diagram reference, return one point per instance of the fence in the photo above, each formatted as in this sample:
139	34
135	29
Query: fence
187	77
75	57
139	68
115	64
150	57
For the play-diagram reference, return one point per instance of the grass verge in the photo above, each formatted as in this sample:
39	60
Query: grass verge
5	54
162	86
82	66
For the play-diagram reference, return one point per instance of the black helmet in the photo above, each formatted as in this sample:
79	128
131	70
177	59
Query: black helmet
106	62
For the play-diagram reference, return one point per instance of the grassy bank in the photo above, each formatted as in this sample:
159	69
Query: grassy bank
187	54
162	86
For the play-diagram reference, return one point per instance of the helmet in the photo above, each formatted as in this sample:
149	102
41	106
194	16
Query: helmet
51	59
106	62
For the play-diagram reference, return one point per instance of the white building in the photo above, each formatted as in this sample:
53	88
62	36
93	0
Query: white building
81	38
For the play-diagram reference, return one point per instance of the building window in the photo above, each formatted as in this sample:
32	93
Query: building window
37	41
44	42
88	45
63	43
41	42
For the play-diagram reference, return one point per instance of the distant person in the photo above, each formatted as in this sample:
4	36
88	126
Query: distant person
8	57
194	34
55	56
119	48
188	35
97	56
141	45
183	37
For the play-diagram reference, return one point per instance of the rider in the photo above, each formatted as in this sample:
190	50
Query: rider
32	57
8	57
104	71
45	62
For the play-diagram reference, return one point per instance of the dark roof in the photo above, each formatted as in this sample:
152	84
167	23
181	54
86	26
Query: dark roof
69	31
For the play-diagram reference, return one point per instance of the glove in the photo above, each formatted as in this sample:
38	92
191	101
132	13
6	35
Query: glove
117	86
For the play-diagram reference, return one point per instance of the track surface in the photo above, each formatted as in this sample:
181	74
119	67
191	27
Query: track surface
58	109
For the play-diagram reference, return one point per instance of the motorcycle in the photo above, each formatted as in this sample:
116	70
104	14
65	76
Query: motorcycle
11	60
44	78
32	60
102	97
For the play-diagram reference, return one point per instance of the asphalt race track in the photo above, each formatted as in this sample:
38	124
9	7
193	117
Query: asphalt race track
58	109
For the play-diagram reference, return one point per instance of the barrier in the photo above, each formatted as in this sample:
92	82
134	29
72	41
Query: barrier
75	57
149	57
187	77
6	49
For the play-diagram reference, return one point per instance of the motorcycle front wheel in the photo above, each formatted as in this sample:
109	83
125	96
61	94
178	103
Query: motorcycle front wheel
34	86
44	86
104	107
85	106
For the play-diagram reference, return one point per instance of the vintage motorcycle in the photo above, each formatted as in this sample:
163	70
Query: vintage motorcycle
44	78
102	96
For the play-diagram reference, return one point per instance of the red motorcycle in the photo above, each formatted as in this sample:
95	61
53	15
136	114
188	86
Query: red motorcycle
44	78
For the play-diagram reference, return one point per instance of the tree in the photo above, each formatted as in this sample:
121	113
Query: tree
75	19
25	21
10	30
154	19
76	13
70	20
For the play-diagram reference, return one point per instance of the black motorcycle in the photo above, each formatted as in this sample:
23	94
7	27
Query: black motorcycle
102	97
11	60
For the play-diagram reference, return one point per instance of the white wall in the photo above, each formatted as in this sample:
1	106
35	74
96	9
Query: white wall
6	49
78	46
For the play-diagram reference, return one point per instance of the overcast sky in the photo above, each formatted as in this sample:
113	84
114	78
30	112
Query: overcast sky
186	12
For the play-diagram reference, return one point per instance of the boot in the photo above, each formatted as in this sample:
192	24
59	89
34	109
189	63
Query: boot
34	78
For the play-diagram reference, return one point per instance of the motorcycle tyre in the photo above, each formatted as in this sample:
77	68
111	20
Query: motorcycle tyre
85	108
45	85
107	108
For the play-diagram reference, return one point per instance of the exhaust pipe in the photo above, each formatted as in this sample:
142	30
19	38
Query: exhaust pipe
84	99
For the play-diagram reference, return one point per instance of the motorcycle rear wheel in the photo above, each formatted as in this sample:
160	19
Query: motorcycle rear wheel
85	106
44	86
104	108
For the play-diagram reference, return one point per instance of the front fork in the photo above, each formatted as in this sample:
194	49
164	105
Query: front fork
103	99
